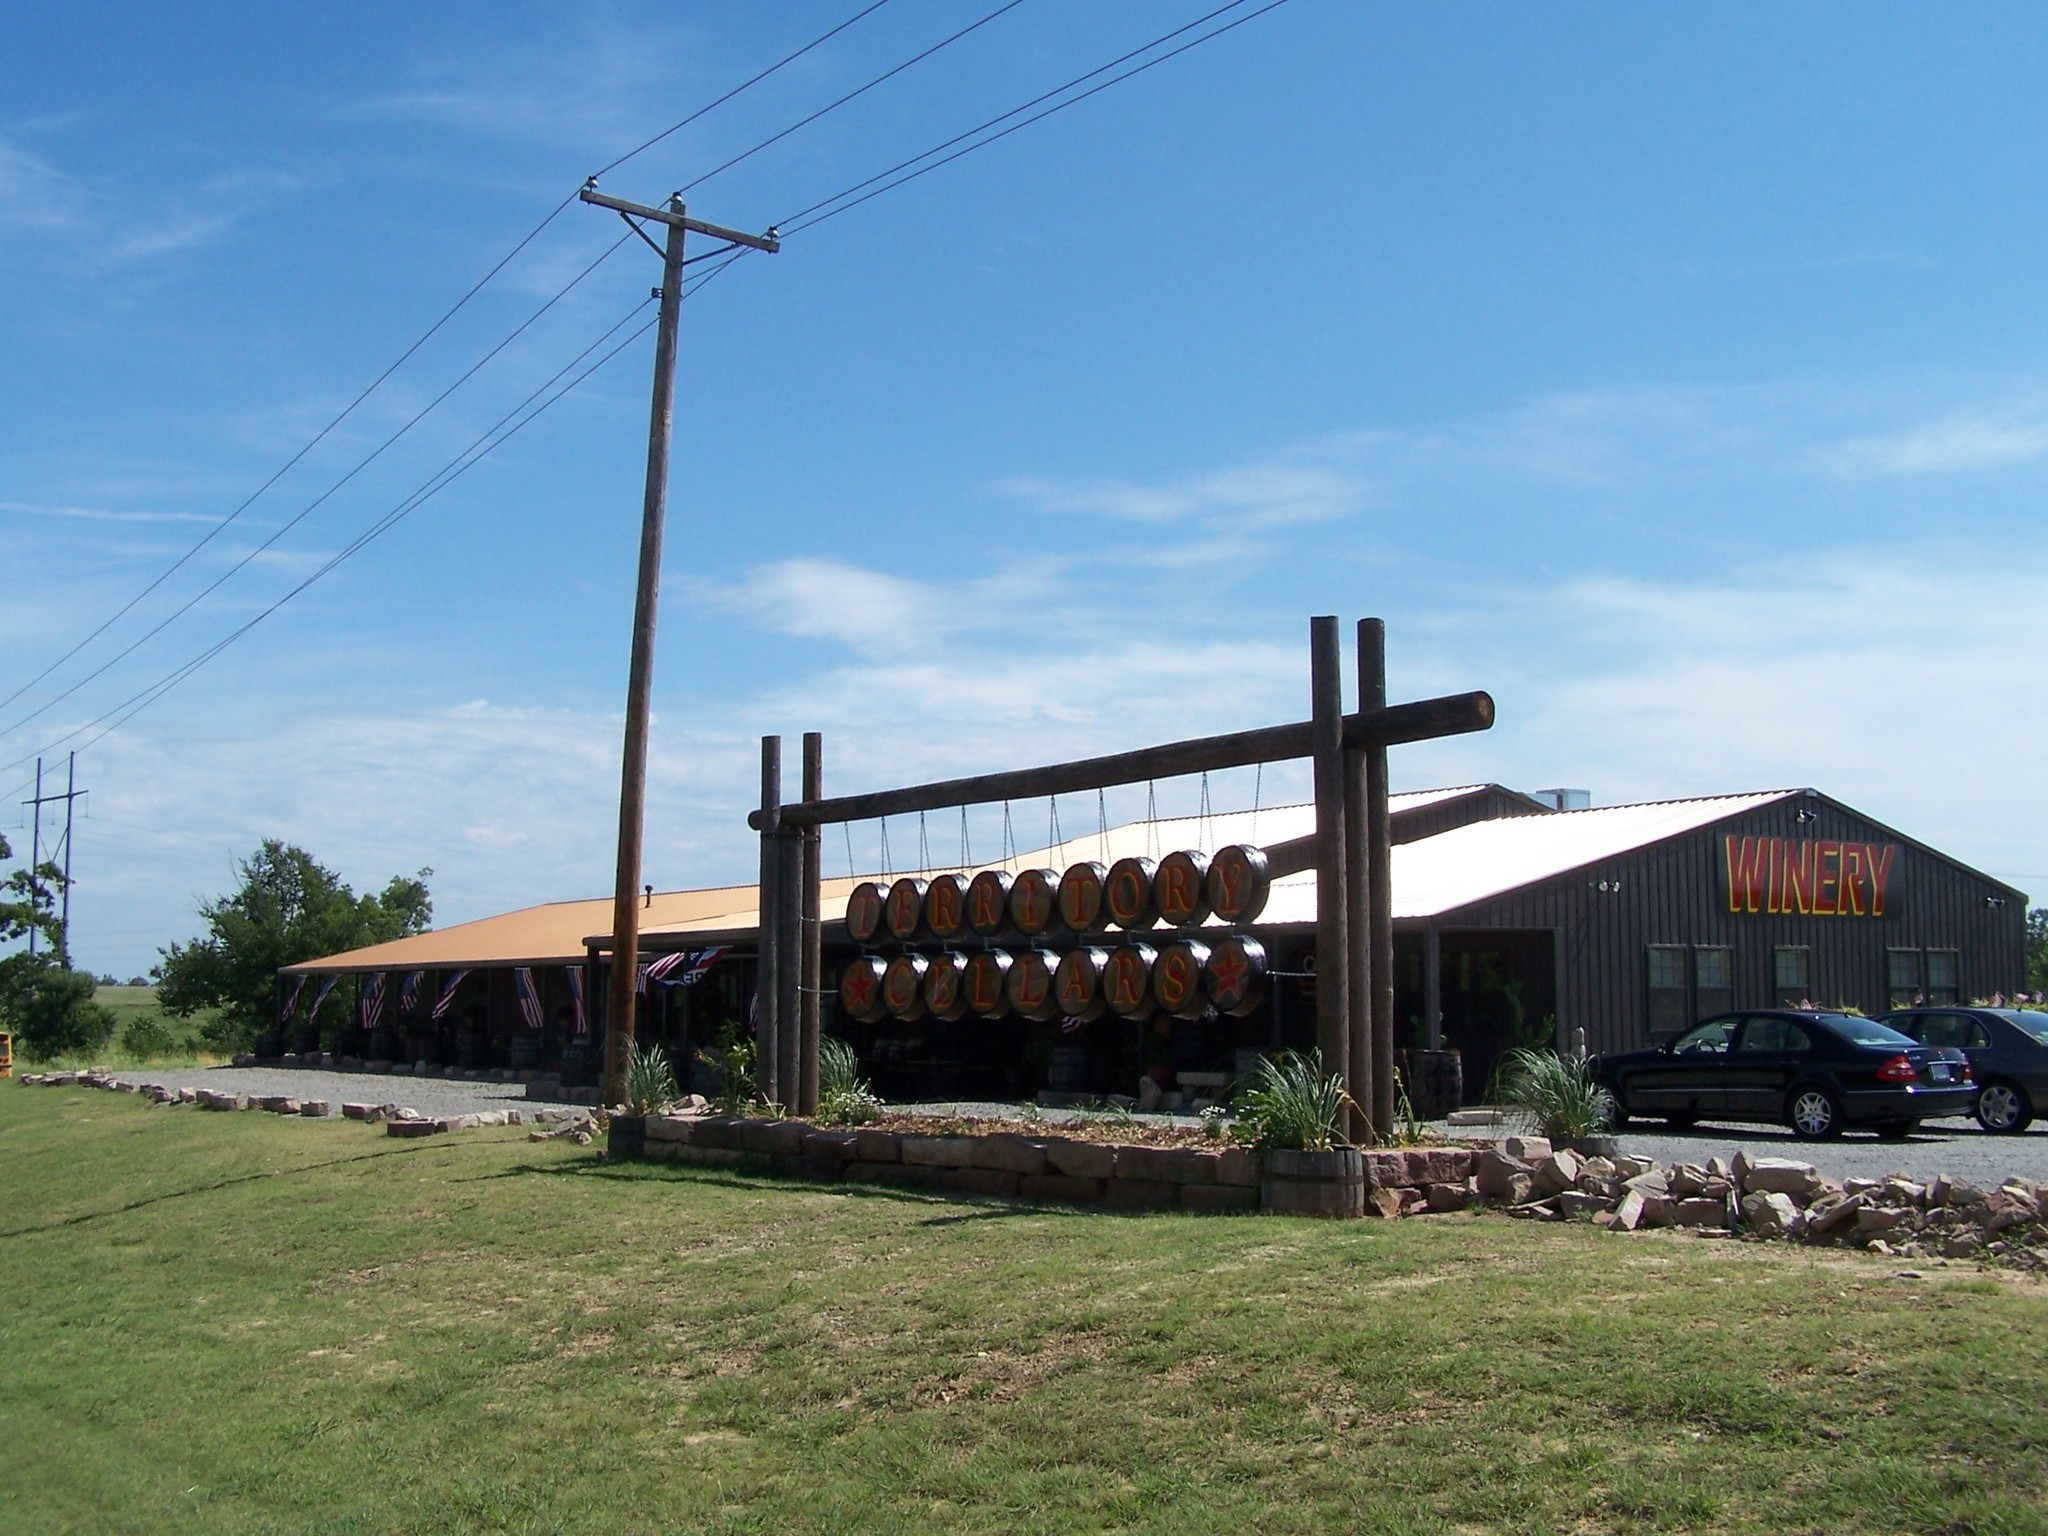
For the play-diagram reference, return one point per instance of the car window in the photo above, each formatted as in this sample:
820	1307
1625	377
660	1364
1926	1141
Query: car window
1708	1039
1951	1029
1864	1031
2035	1024
1765	1033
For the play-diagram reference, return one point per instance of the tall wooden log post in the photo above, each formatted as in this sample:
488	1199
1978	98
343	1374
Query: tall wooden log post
789	958
1365	1127
1379	874
811	979
768	931
1326	683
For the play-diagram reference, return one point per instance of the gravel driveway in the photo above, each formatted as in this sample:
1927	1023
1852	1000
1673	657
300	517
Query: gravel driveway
431	1096
1957	1148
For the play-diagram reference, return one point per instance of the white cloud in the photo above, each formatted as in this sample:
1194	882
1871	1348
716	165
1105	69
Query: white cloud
1951	446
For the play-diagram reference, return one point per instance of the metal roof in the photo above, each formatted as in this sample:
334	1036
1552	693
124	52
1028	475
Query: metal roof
1432	876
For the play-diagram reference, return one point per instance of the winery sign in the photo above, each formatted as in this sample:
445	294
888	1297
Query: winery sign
1047	946
1808	877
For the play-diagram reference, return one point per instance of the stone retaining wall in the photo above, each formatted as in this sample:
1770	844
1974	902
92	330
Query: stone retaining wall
1049	1168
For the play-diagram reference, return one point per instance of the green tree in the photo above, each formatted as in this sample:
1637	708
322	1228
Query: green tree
2037	950
288	908
44	1004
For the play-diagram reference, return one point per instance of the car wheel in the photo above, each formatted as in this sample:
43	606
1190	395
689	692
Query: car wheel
2002	1109
1896	1130
1813	1114
1617	1116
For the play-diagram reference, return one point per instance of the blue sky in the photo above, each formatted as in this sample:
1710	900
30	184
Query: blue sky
1678	374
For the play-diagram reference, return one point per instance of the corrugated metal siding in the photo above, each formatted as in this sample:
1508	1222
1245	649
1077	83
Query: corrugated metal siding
1674	894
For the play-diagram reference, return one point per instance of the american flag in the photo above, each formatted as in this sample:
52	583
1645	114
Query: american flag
662	969
373	1000
575	975
447	997
409	992
320	997
291	1004
702	963
529	999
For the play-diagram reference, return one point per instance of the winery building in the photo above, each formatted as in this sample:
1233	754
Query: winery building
1515	923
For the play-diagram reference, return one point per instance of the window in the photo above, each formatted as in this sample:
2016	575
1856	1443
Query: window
1956	1029
1764	1033
1710	1039
1792	974
1670	1007
1902	978
1941	976
1713	980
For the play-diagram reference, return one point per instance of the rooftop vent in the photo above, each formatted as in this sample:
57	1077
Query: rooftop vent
1564	799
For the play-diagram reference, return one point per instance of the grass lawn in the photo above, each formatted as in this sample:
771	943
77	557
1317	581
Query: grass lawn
233	1323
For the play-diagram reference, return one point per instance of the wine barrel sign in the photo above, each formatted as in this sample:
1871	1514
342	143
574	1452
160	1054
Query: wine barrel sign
1182	890
1184	978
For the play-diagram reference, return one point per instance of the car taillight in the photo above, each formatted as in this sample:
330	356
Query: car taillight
1964	1073
1899	1069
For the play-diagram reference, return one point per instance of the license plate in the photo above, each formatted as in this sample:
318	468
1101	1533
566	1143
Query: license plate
1942	1072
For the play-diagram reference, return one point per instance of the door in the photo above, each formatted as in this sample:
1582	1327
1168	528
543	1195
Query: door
1687	1079
1770	1052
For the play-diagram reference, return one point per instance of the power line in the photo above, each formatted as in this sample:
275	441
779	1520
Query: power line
403	357
306	511
1006	116
728	96
890	74
483	446
799	224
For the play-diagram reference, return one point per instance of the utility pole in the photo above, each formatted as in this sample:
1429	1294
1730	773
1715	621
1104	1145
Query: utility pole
621	998
35	858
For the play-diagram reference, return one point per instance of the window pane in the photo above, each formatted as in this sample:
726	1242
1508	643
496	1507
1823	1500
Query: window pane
1717	969
1789	965
1941	976
1904	968
1708	1040
1667	969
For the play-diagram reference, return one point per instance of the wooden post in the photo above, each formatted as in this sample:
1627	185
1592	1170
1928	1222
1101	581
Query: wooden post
811	978
768	931
1326	684
1433	987
640	676
789	956
1379	874
1366	1130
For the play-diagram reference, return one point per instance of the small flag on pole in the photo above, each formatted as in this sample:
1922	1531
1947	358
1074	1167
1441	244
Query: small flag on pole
291	1004
575	975
447	997
409	992
373	1000
320	997
529	998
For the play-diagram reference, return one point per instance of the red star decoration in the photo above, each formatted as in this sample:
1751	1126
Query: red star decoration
1231	970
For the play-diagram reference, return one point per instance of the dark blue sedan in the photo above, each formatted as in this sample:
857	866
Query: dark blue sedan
2008	1051
1818	1073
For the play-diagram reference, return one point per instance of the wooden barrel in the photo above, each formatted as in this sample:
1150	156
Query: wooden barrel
1313	1183
1436	1082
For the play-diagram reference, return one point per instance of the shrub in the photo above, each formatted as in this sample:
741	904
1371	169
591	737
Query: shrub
844	1096
1292	1105
49	1009
1557	1093
733	1060
145	1037
650	1079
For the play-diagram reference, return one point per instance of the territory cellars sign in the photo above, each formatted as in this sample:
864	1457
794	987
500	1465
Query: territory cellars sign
1184	976
1808	877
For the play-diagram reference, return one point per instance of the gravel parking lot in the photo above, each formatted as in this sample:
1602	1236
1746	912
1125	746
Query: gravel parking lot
1957	1148
431	1096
